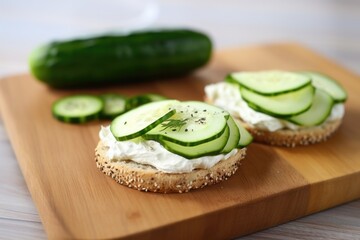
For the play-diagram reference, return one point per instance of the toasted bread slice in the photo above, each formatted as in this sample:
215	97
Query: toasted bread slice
147	178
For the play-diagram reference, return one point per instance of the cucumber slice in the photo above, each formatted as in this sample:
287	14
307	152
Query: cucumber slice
245	136
270	82
283	105
114	105
194	123
140	120
234	136
212	147
207	108
329	85
77	108
139	100
319	111
136	101
155	97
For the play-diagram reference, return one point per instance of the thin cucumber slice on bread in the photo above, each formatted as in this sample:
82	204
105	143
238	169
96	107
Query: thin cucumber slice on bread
329	85
138	121
77	108
212	147
245	136
283	105
191	129
319	111
234	137
194	123
270	82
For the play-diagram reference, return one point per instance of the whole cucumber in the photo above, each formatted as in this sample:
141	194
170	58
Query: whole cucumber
111	59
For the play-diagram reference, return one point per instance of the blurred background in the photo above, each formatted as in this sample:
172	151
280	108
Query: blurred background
331	27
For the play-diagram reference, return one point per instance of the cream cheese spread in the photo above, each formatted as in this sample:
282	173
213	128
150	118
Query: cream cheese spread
154	154
227	96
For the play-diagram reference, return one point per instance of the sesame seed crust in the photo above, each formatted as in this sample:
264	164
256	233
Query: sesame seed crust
293	138
149	179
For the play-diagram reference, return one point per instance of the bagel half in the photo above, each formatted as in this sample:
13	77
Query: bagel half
292	138
147	178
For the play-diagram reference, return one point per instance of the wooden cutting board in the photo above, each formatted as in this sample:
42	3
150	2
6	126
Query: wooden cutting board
274	185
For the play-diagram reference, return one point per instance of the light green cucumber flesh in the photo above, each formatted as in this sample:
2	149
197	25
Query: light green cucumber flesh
140	120
283	105
155	97
319	111
77	108
329	85
194	123
234	136
245	136
114	105
213	147
270	82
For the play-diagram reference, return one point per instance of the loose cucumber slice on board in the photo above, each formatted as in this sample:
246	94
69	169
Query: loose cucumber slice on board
319	111
77	108
270	82
136	101
114	105
155	97
283	105
209	148
245	136
234	136
140	120
194	123
139	100
329	85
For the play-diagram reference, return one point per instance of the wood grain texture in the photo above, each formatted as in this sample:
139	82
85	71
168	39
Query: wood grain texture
75	200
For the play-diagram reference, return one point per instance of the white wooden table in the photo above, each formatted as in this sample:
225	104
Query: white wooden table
330	27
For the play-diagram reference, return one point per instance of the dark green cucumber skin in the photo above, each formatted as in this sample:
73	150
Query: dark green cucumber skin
136	101
139	100
112	59
77	120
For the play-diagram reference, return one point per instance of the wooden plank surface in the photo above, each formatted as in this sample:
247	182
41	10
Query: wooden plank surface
76	200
